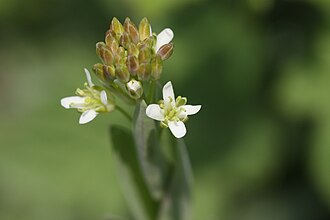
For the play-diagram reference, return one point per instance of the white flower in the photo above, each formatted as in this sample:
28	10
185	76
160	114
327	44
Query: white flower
90	101
164	37
134	88
172	112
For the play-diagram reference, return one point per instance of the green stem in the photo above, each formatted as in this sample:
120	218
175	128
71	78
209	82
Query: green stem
125	113
151	91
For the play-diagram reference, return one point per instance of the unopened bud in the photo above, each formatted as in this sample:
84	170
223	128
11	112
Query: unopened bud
165	51
116	26
131	29
122	73
149	42
109	72
132	64
132	50
98	70
125	39
113	45
145	55
107	56
144	71
134	88
144	29
120	56
156	67
99	46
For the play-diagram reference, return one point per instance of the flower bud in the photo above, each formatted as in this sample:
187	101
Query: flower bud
116	26
144	71
156	67
99	46
122	73
165	51
134	88
145	55
125	39
132	50
132	64
112	43
120	56
107	56
131	29
98	70
144	29
109	72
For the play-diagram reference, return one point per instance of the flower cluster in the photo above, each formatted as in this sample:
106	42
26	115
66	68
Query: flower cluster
131	55
130	58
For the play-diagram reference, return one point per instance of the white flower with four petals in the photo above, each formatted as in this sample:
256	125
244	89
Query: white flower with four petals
90	101
172	112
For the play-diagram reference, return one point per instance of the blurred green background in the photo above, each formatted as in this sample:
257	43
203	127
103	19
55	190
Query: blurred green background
260	147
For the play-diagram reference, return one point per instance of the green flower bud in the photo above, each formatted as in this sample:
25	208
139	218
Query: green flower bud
132	50
109	72
116	26
143	72
120	57
145	55
144	29
165	51
131	29
134	88
98	70
132	64
125	39
99	46
156	67
122	73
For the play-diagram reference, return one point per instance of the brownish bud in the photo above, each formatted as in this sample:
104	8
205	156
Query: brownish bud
156	67
107	56
109	72
125	39
149	42
145	55
131	29
165	51
132	64
144	71
122	73
99	46
144	29
132	50
120	56
109	37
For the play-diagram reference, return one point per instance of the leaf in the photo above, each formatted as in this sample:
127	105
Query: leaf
151	159
131	179
176	201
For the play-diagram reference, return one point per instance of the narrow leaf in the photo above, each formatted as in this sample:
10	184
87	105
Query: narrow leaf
131	179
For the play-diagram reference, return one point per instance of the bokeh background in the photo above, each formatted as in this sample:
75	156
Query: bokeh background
260	147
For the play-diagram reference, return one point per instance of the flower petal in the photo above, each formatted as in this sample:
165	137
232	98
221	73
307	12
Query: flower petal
168	93
104	98
177	128
87	116
191	109
89	78
155	112
164	37
68	101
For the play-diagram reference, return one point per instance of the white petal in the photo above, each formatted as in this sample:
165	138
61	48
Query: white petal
155	112
178	129
87	116
89	78
168	93
104	98
76	100
191	109
164	37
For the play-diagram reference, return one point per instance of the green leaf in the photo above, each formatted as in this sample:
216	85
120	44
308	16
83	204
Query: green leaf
131	179
153	164
176	201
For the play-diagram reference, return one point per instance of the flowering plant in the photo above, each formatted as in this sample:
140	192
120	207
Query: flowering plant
153	166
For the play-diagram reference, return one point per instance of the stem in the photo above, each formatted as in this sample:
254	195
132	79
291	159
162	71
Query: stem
125	113
151	91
